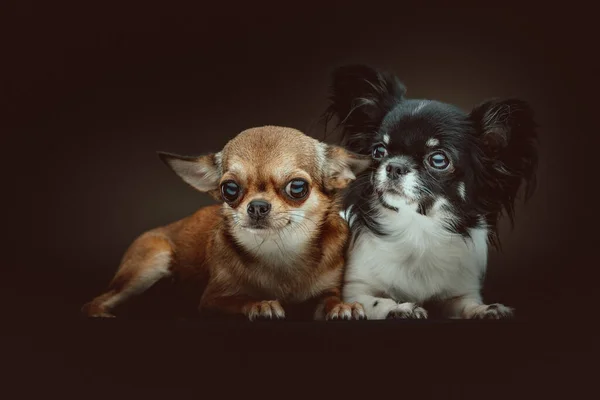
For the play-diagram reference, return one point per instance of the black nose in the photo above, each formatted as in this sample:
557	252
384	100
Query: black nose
258	209
395	171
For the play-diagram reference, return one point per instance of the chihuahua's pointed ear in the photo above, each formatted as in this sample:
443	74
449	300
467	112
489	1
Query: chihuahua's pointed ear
506	133
360	96
504	125
202	173
342	167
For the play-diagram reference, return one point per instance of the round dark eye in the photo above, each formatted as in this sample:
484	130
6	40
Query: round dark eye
438	160
379	151
297	188
230	191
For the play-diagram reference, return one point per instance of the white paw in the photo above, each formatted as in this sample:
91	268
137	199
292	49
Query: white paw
493	311
347	311
265	310
407	311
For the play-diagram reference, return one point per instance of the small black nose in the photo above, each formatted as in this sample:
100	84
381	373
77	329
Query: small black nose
395	171
258	209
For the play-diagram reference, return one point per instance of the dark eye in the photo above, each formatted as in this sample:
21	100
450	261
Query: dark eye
379	151
297	188
438	160
230	191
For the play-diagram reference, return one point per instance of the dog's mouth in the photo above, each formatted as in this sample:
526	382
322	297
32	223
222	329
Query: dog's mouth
264	226
258	225
390	190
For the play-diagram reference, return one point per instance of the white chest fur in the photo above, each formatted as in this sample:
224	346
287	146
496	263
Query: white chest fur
278	249
281	270
419	259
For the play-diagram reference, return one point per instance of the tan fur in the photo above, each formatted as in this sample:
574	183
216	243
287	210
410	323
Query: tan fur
213	249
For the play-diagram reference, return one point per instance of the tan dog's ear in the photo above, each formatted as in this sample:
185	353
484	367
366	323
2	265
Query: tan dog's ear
342	167
202	173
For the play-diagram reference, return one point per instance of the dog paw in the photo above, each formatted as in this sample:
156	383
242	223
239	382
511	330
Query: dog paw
265	310
92	310
407	311
102	315
493	311
345	311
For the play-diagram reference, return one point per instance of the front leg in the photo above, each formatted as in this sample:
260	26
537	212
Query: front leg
252	308
472	307
331	307
377	307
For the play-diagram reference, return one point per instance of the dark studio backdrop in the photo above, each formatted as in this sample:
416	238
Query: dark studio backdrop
93	91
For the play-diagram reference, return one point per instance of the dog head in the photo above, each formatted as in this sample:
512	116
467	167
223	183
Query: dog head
429	154
272	180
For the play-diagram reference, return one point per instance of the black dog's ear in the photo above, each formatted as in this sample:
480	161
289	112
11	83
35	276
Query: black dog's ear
360	97
506	133
503	125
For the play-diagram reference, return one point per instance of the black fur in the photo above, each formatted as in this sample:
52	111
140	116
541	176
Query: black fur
492	148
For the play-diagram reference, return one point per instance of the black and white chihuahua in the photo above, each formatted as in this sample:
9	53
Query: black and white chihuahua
422	217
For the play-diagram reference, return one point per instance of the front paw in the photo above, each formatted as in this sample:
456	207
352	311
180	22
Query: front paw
265	310
346	311
407	311
93	310
493	311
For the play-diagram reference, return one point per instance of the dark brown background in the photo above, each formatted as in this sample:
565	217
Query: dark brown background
91	92
95	91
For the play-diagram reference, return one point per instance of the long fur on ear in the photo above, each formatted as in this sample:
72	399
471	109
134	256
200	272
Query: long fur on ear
360	97
506	134
202	173
342	167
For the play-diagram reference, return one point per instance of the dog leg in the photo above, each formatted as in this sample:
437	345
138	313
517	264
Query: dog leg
146	262
472	307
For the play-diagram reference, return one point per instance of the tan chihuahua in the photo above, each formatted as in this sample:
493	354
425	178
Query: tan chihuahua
277	238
